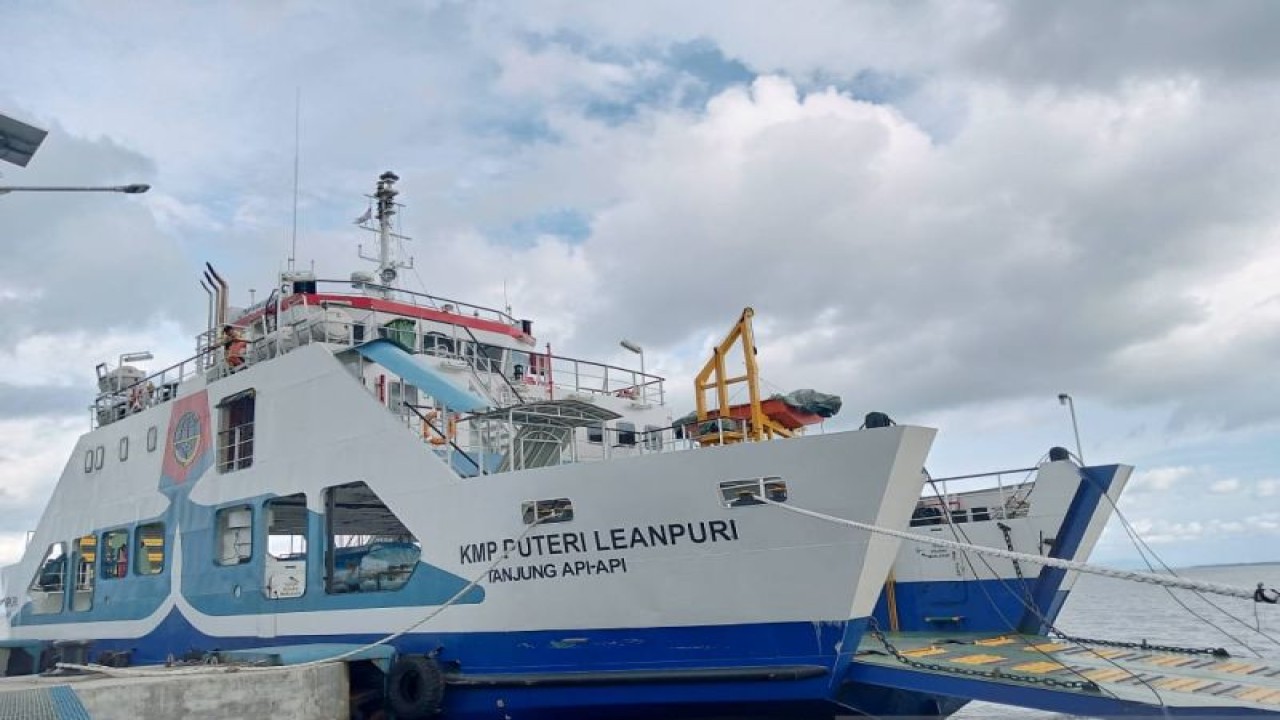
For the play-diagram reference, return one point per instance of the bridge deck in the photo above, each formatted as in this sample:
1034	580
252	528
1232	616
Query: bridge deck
1044	673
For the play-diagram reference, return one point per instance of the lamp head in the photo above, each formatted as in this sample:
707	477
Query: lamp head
136	356
631	346
1063	398
135	189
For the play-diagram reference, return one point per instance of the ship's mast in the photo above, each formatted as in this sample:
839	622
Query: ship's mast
385	197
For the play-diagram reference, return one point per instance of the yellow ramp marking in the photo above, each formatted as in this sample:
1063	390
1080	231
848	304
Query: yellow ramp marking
992	642
1048	647
1184	684
977	659
1171	661
1043	666
1107	674
1260	695
1240	669
924	651
1108	654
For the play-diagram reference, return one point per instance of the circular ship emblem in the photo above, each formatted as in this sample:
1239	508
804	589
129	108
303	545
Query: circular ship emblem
186	438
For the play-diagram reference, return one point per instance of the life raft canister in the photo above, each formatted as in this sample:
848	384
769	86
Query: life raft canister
415	689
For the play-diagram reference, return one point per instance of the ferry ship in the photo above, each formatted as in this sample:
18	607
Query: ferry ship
348	462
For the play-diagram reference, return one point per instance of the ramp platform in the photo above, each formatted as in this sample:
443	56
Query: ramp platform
1045	673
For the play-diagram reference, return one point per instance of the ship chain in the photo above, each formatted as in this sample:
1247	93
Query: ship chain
1143	645
995	674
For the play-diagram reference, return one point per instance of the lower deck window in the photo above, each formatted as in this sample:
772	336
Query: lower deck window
49	584
115	554
149	553
234	541
368	548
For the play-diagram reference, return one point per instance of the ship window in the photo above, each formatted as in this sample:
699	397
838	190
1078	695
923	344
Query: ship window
86	552
652	437
235	431
115	554
286	565
153	436
595	432
436	343
88	461
234	541
99	455
287	527
124	448
547	511
978	514
742	493
149	553
367	548
50	580
626	433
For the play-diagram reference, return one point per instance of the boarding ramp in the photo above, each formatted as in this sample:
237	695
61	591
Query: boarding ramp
1089	678
414	370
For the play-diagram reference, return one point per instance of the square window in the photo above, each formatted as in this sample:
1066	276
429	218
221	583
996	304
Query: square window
149	554
115	554
233	544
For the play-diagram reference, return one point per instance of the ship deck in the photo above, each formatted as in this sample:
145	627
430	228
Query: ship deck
1051	674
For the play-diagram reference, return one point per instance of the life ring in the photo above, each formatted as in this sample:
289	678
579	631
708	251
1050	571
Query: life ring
415	688
432	434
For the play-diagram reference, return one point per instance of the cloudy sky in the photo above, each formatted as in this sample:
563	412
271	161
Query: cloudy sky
947	211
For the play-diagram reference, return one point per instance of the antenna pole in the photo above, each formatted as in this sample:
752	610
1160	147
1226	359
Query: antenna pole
386	197
297	124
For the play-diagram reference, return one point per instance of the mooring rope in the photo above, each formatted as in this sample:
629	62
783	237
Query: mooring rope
1172	581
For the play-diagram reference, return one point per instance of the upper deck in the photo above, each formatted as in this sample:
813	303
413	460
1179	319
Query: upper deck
488	344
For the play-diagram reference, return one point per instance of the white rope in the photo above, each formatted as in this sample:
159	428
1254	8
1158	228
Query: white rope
1171	581
207	669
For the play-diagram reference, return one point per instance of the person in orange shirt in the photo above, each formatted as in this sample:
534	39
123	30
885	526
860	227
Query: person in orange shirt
235	345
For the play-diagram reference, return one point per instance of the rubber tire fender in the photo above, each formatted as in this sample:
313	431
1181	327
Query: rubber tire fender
415	688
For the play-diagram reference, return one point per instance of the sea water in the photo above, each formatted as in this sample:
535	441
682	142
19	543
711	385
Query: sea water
1112	609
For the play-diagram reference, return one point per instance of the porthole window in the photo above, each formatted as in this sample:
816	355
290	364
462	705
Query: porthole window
99	456
88	461
153	436
124	448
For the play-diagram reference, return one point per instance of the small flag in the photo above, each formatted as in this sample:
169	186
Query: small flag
368	214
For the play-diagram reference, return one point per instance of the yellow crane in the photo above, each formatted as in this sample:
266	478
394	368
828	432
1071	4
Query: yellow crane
757	425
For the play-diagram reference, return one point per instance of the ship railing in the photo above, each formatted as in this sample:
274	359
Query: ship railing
522	375
956	494
436	302
155	389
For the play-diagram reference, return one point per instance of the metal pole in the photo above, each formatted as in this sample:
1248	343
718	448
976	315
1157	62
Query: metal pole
127	189
1065	399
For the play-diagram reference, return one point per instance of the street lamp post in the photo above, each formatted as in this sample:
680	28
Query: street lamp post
633	347
1065	399
133	189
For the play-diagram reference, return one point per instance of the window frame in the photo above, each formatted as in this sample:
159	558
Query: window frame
218	530
139	549
103	545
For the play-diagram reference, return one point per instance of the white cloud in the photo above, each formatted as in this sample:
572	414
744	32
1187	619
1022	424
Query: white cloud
1267	488
1225	486
1158	479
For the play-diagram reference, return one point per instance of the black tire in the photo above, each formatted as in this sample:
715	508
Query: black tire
415	689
